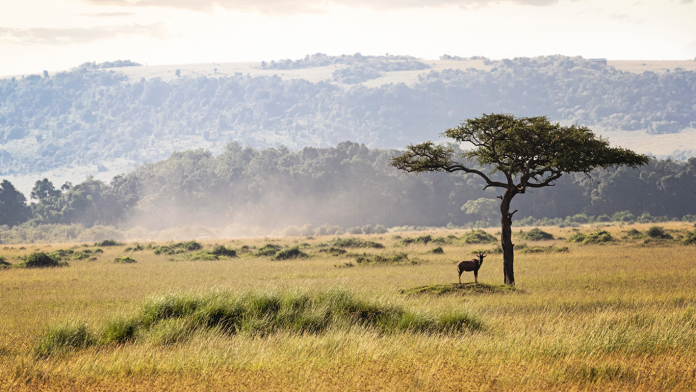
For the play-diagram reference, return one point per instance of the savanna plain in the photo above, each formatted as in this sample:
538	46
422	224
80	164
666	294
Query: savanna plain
354	312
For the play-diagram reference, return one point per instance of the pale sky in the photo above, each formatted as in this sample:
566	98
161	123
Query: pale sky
38	35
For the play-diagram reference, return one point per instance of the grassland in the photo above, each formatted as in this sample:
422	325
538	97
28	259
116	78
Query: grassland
615	316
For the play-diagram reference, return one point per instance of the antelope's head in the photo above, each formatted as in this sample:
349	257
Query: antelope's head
481	256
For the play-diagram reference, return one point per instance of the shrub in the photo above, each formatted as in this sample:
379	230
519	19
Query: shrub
394	258
477	237
658	232
690	238
577	237
334	251
4	263
268	250
220	250
598	237
292	253
124	260
437	250
355	243
424	239
135	248
63	337
536	235
107	243
379	229
202	256
496	250
541	249
80	255
98	251
634	233
42	260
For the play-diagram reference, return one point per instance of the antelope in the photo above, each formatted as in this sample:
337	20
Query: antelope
471	265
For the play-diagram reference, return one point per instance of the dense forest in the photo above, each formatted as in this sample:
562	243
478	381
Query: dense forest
348	185
91	114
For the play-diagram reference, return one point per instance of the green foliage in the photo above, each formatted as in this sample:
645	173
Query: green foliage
577	237
598	237
477	237
542	249
292	253
220	250
459	289
437	251
4	264
633	233
124	260
108	243
355	243
424	239
535	235
496	250
657	232
42	260
63	337
13	208
334	251
690	238
394	258
268	250
174	318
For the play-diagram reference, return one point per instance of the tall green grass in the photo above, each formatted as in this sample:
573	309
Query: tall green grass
177	317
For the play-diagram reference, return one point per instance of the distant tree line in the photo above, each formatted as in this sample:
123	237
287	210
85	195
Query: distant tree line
349	185
88	115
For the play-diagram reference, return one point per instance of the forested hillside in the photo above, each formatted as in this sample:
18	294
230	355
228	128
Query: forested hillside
347	185
90	115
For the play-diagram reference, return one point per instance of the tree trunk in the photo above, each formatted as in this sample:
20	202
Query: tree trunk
506	238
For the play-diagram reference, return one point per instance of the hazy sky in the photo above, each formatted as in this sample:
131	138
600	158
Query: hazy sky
59	34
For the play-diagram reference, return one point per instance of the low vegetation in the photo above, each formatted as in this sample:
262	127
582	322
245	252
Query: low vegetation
478	237
175	318
594	317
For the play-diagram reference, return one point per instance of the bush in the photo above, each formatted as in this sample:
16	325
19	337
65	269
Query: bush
42	260
424	239
394	258
124	260
477	237
690	238
202	256
598	237
4	263
535	235
334	251
437	250
268	250
657	232
577	237
355	243
108	243
633	233
220	250
292	253
541	249
496	250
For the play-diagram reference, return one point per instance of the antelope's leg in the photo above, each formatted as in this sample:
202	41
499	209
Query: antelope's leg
476	277
460	277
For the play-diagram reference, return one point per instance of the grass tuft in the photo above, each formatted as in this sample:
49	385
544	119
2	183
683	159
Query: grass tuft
292	253
460	289
178	317
124	260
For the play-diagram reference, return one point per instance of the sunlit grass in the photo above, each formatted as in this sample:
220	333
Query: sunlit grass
618	316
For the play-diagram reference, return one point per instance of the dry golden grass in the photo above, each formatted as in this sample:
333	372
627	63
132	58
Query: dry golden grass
600	317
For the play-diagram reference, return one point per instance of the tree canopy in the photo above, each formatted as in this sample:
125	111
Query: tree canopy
528	152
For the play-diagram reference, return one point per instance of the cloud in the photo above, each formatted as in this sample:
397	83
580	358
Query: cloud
70	36
109	14
300	6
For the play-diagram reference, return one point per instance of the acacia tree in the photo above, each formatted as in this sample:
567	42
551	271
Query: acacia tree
528	152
